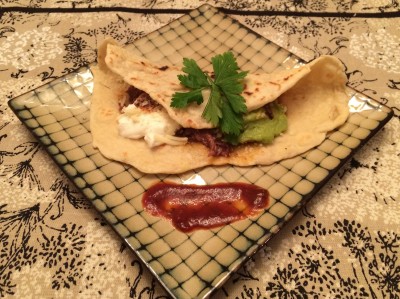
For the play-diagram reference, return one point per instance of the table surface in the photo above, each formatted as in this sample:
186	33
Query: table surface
344	243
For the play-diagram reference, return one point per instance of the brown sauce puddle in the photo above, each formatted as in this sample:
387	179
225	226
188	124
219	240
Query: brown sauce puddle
192	207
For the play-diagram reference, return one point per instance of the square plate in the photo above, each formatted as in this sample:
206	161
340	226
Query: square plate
190	265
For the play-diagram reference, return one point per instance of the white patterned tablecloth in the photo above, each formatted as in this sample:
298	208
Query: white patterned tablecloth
344	244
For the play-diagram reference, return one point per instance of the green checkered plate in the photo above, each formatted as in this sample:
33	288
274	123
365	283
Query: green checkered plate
190	265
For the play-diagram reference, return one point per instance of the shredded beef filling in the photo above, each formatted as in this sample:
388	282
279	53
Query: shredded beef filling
211	138
140	99
268	111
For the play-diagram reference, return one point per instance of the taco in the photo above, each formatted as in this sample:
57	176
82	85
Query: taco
132	120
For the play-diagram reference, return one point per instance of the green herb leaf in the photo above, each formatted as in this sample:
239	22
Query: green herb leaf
225	66
195	77
212	112
231	122
182	99
225	106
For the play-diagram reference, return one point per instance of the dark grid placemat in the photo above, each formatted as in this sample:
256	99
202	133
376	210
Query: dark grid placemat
189	265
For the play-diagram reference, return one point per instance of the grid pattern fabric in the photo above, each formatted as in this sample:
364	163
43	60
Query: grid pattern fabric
189	265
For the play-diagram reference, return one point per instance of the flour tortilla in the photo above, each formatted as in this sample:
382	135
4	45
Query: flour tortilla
148	76
314	95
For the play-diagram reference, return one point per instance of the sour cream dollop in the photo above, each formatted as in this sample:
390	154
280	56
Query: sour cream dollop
155	126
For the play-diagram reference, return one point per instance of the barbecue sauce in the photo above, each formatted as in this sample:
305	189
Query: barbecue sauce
192	207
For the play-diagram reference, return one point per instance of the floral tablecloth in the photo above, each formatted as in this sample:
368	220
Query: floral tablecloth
344	244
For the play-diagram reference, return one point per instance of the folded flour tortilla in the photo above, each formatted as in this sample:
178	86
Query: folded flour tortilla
314	95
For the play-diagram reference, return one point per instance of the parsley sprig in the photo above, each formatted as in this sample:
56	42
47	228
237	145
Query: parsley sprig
225	106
